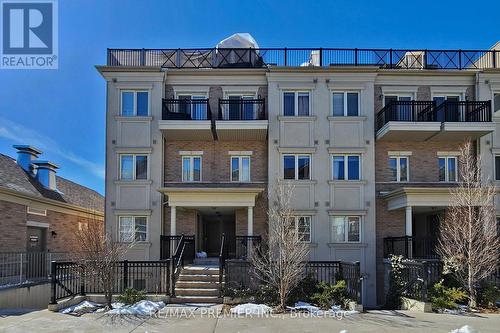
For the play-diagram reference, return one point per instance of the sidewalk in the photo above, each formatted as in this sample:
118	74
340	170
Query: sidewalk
198	319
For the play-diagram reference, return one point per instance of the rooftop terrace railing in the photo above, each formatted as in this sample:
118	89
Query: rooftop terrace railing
302	57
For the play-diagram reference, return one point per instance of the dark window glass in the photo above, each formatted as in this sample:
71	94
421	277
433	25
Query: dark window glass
353	167
141	167
127	103
142	103
338	104
393	169
352	104
452	169
289	104
304	167
403	169
338	168
497	167
196	169
235	172
442	169
289	167
303	100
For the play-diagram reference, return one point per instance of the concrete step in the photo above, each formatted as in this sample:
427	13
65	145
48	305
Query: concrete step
197	284
195	299
206	261
194	270
196	292
198	278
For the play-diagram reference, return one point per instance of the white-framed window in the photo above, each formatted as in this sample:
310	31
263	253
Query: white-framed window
240	168
345	229
36	211
399	168
132	228
345	103
133	166
297	166
191	168
447	169
302	226
195	107
346	167
237	109
134	103
296	103
497	167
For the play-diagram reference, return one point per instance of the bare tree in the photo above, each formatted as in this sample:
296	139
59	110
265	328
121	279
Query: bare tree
97	253
468	235
281	262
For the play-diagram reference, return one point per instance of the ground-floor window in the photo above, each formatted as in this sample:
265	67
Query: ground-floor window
302	225
345	229
132	228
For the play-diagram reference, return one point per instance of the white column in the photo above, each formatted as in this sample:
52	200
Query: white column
173	226
250	221
409	221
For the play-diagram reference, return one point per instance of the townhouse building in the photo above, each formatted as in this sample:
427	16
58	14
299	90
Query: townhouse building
196	139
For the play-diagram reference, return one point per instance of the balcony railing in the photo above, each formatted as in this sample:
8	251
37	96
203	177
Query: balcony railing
242	109
411	247
295	57
186	109
427	111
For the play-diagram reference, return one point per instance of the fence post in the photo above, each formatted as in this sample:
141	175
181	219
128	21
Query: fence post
125	274
20	268
425	277
53	282
321	57
390	58
143	55
355	56
359	288
172	277
285	57
494	58
82	280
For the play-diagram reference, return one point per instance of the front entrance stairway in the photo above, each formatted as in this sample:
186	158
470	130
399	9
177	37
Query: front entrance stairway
198	283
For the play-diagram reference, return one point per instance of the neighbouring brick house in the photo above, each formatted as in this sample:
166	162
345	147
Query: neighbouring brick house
40	211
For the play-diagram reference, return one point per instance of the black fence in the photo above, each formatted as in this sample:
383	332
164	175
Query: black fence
240	274
186	109
69	278
300	57
418	277
242	109
448	111
411	247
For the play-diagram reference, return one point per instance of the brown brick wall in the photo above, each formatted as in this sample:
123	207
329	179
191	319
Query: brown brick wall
215	159
14	229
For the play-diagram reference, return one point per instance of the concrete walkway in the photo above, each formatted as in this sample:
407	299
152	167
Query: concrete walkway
210	319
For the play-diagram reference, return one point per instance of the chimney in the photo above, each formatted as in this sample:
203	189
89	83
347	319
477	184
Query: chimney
46	174
25	157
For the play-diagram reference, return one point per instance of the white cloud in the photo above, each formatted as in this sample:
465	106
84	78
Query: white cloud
22	135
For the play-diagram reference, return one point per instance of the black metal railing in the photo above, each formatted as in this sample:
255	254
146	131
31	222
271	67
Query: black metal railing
464	111
245	246
239	274
448	111
418	277
168	245
411	247
295	57
69	278
186	109
222	261
242	109
184	254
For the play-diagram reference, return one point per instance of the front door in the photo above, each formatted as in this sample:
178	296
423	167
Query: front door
213	228
36	258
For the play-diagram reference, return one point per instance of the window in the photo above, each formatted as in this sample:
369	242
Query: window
496	102
398	166
296	103
132	228
497	167
238	109
133	167
240	168
135	103
193	106
191	168
345	103
296	167
302	226
447	169
346	167
345	229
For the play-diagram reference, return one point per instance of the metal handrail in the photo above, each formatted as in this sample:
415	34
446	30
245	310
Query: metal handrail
227	113
221	262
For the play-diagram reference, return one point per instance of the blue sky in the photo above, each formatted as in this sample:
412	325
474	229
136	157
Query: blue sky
62	111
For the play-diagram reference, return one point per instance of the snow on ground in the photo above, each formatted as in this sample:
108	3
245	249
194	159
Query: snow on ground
464	329
304	306
251	309
142	308
79	307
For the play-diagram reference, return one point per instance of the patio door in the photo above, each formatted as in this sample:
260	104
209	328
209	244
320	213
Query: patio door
193	108
452	111
401	112
240	110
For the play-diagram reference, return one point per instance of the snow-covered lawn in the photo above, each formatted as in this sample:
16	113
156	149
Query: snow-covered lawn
141	308
261	309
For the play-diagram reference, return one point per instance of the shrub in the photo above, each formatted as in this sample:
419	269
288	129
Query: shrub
237	292
131	296
331	294
488	295
443	297
304	290
266	294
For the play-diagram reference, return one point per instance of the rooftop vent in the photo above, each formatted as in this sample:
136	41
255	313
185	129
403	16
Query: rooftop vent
46	174
26	155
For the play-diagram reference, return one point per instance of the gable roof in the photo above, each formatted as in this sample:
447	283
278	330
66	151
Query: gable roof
13	177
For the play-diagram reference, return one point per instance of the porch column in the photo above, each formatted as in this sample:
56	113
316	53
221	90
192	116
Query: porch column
173	229
409	221
250	221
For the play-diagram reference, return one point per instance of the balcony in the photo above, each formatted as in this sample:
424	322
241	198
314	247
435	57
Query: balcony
241	119
427	121
186	119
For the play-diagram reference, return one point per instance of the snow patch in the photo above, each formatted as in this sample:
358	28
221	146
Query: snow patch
142	308
251	309
464	329
335	309
79	307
